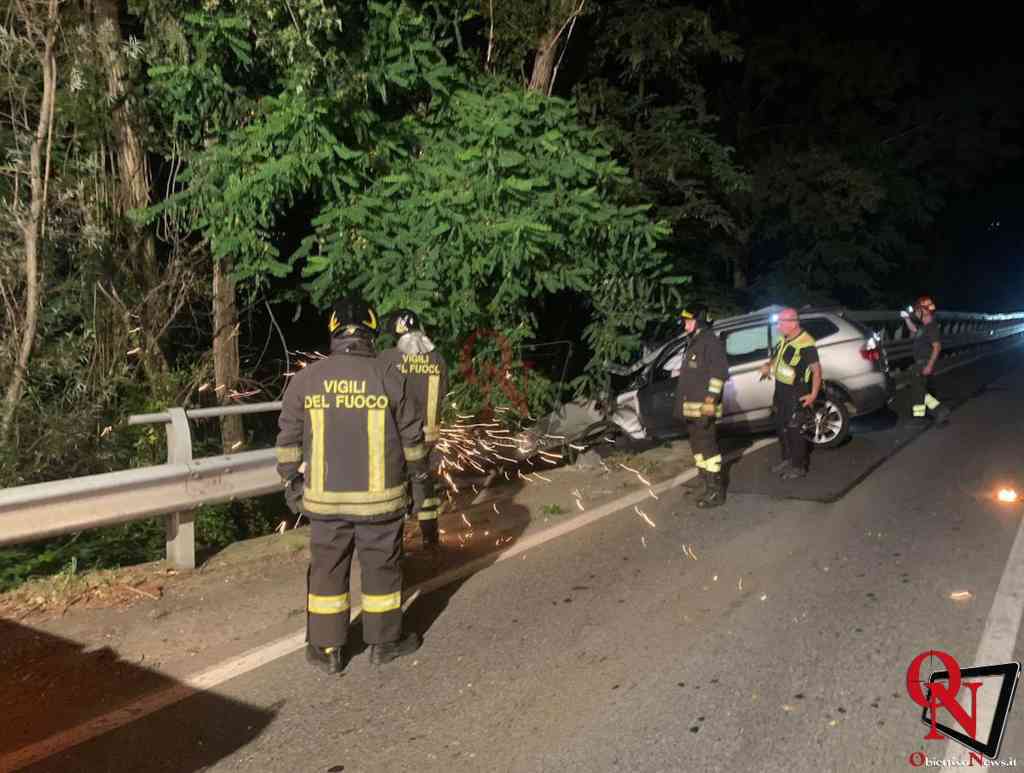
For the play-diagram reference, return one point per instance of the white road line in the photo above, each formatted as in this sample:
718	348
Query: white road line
260	656
999	638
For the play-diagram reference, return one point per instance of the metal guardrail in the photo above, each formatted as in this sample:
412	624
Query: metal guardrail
175	489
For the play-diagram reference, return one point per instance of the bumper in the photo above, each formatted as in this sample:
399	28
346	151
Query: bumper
869	394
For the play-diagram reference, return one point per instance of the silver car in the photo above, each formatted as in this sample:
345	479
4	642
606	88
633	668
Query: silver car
854	368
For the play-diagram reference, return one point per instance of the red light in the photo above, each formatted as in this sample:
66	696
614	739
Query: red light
871	355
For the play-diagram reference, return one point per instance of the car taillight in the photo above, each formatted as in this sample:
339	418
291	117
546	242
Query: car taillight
871	355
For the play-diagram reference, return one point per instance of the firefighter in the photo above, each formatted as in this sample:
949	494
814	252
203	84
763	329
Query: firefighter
347	424
426	378
702	377
797	372
927	346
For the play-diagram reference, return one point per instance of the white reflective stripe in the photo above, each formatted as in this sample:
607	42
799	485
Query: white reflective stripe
715	390
714	464
919	410
327	605
430	502
433	401
426	515
377	604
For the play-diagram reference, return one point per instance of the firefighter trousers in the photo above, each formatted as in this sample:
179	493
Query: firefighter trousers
704	444
789	419
426	507
921	397
332	543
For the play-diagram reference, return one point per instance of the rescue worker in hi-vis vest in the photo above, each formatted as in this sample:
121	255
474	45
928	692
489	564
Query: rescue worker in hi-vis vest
702	377
426	379
348	425
926	347
797	372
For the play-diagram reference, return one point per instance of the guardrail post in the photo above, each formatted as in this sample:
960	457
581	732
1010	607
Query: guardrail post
181	532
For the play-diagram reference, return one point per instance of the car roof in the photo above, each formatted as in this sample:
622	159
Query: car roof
765	313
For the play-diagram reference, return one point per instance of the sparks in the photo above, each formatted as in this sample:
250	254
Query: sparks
651	492
465	520
136	350
643	515
580	505
236	444
106	431
643	540
204	387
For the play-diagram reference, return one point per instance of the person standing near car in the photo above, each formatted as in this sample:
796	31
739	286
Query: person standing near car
797	372
927	346
702	377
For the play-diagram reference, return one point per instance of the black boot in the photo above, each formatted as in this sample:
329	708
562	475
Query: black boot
388	651
715	495
330	660
941	415
701	490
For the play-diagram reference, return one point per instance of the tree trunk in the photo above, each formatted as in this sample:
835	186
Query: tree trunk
31	229
134	192
226	365
546	60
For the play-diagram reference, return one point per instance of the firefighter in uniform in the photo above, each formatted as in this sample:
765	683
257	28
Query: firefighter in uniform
927	346
349	440
426	378
702	377
797	372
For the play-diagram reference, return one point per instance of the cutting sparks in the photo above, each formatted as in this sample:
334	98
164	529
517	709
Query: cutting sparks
960	595
580	505
106	431
136	350
643	540
651	492
643	515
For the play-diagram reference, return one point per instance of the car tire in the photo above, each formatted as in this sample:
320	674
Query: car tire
589	437
831	425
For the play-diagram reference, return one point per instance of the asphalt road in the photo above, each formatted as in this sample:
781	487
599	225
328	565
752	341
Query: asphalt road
783	646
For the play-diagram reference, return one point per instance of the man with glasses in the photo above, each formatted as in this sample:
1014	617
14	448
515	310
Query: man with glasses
797	372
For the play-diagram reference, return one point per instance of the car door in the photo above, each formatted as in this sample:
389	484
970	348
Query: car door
746	399
657	398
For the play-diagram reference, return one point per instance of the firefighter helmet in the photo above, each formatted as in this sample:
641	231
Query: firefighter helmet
350	316
925	303
697	312
404	321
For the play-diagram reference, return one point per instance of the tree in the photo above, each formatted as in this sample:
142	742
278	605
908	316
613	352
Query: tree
504	200
40	36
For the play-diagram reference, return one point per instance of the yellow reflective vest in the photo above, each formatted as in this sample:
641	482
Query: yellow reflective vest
789	363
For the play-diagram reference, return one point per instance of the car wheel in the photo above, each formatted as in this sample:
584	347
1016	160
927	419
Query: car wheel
592	435
830	424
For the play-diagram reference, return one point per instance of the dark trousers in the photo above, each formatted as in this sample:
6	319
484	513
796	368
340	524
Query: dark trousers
426	508
332	542
789	418
922	399
704	444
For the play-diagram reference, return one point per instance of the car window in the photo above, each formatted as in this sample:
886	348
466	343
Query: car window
668	362
748	344
819	327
